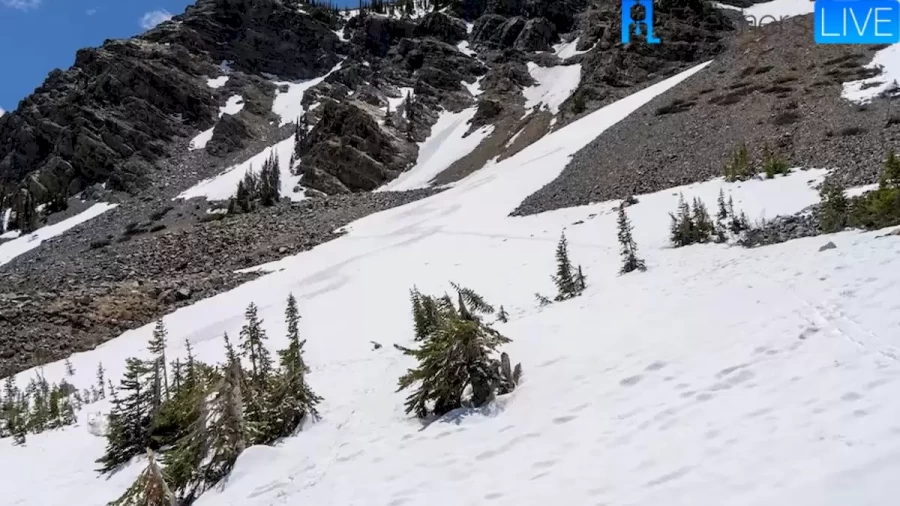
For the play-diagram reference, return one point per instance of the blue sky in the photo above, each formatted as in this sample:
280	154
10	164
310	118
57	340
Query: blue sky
37	36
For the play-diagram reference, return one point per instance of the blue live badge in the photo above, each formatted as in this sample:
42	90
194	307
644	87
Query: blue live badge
857	21
637	21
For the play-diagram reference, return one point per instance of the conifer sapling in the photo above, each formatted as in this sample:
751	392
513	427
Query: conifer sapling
630	260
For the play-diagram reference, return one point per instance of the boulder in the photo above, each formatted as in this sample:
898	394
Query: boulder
229	135
441	27
537	35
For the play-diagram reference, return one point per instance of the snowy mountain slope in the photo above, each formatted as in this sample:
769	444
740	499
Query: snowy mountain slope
721	376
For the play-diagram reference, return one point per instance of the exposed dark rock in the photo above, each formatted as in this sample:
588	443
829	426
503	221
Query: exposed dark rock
783	228
228	135
256	36
537	35
488	110
441	27
347	152
376	34
827	246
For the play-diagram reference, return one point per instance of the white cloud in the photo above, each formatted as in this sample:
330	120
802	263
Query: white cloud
22	5
2	112
148	20
90	12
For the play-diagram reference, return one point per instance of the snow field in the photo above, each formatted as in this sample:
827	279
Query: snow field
445	145
554	86
289	104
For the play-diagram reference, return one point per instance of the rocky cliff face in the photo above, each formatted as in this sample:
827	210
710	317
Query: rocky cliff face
126	105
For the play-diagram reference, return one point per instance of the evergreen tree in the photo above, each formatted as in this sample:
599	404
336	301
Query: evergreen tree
890	176
566	283
702	224
269	181
39	413
721	219
738	222
157	348
503	316
542	300
252	344
11	414
294	399
101	386
408	107
228	433
70	369
426	312
835	208
22	422
471	301
738	168
149	489
455	356
682	229
630	260
774	164
259	404
129	418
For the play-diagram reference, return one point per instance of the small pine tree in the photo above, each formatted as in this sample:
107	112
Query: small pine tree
295	400
630	260
542	300
774	164
703	227
70	369
149	489
738	168
259	387
157	348
682	229
101	384
721	219
129	418
890	175
456	356
502	315
270	181
835	207
252	345
566	284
